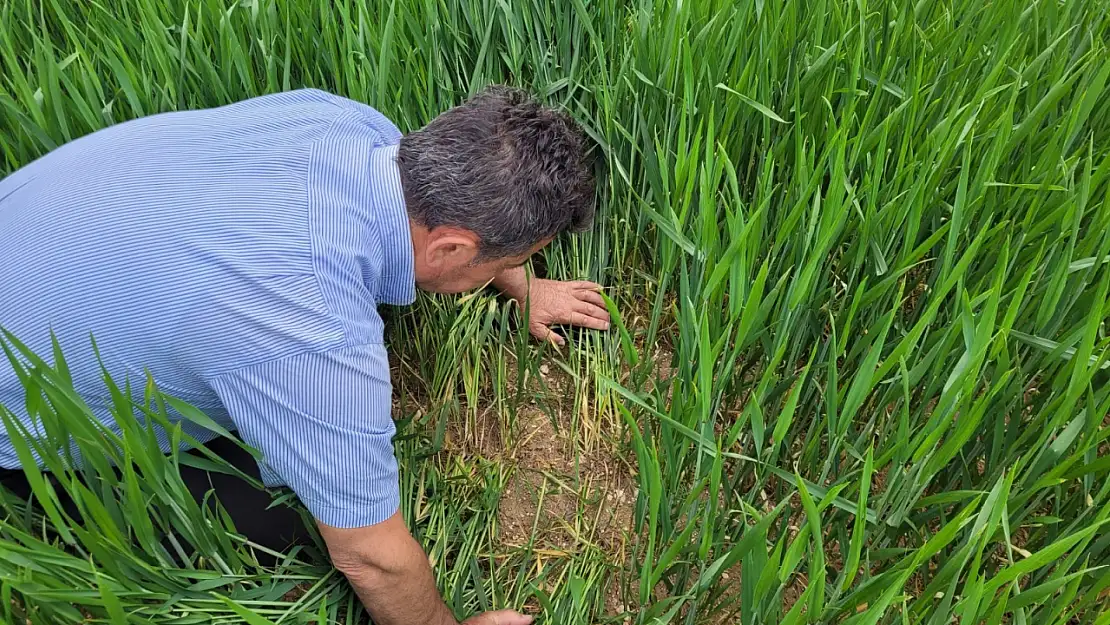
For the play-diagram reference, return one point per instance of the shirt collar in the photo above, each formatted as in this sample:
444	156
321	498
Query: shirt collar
397	283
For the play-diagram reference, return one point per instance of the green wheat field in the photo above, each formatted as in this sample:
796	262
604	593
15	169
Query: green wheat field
858	254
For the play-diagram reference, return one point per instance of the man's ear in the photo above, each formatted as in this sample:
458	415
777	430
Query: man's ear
451	247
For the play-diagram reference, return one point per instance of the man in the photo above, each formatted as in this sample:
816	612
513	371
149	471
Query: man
240	254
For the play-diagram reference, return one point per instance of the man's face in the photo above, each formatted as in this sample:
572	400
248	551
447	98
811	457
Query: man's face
470	276
446	260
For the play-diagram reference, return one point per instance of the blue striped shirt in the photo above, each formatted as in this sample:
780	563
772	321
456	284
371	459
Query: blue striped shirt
239	254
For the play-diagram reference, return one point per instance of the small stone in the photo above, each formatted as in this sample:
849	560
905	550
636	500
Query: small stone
544	369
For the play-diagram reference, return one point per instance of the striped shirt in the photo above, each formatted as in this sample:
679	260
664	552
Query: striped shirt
239	254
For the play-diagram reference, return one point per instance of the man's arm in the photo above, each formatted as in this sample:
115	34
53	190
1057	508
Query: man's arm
550	302
322	422
513	282
389	571
391	574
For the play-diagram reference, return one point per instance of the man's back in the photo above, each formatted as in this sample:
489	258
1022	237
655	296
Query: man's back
241	255
182	243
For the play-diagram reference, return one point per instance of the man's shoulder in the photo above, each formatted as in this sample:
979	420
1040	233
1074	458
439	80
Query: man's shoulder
345	108
296	118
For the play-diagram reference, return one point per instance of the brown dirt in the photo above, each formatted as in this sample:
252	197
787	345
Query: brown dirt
296	592
1104	447
563	495
878	481
794	591
663	358
479	439
918	288
558	503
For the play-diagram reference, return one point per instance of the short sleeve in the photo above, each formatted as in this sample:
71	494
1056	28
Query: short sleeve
322	422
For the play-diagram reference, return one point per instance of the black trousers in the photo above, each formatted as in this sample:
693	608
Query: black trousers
275	528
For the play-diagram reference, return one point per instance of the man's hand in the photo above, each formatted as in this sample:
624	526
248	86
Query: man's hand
391	575
500	617
550	302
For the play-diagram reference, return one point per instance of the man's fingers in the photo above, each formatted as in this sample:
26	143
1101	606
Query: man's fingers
586	321
545	333
508	617
593	310
554	338
500	617
592	297
586	286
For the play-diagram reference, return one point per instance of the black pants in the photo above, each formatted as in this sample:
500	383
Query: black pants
275	528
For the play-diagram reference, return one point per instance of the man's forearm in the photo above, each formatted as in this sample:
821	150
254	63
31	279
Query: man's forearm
403	593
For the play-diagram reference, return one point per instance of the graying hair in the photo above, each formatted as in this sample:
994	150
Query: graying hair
502	166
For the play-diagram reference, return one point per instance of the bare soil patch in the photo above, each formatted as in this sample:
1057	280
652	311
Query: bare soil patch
559	500
562	496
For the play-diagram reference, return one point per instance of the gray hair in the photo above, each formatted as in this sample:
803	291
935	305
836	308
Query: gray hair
502	166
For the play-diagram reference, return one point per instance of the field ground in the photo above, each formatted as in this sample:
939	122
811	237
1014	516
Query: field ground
859	253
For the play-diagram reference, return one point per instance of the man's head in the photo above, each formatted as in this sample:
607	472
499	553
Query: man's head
490	182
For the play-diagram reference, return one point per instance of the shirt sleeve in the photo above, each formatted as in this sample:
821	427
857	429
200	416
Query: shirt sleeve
322	422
